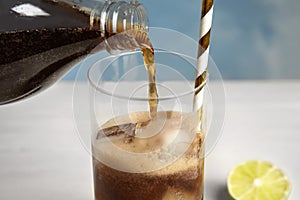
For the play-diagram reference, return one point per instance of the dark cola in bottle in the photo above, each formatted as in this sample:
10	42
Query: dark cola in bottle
41	40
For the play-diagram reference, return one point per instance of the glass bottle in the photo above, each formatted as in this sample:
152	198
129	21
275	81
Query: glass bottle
41	40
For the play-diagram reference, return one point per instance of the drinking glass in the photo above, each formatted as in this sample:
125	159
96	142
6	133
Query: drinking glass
138	157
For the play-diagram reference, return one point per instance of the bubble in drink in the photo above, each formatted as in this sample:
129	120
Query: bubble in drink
167	164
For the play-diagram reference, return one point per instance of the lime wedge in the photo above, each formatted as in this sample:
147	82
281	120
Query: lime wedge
258	180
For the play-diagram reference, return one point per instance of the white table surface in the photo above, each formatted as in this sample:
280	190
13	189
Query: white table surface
41	156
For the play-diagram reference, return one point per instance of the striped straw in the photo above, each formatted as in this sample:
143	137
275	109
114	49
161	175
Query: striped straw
203	52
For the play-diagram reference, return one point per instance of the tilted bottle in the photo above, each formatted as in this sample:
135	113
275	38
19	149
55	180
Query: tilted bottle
38	47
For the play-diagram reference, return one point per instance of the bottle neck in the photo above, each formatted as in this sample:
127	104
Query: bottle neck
124	25
121	23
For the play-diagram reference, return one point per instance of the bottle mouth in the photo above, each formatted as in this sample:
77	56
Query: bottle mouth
124	25
140	16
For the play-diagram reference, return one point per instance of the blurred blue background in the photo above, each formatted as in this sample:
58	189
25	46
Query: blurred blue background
255	39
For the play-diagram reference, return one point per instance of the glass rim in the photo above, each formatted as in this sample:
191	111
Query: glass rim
164	98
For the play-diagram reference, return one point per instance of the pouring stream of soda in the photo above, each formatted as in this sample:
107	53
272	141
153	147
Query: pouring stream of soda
150	65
